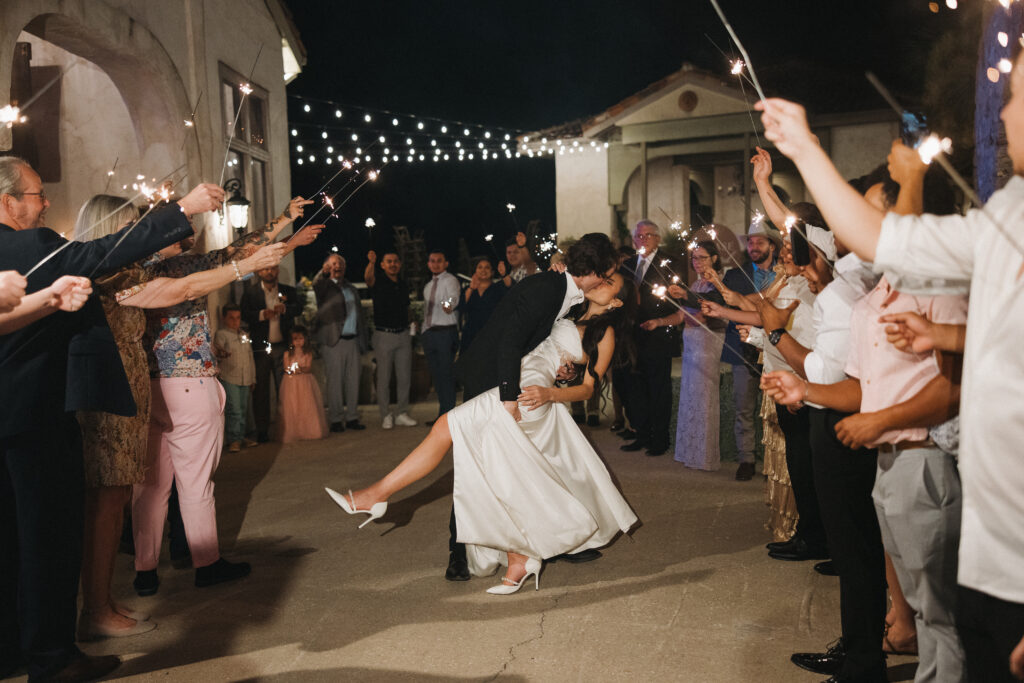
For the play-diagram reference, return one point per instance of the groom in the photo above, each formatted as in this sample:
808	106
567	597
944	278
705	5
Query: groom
521	321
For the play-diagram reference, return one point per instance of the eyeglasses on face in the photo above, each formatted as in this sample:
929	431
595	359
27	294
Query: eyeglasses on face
40	194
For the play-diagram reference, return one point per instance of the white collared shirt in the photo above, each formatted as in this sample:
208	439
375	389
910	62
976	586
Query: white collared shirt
826	364
447	290
573	296
801	324
992	392
644	262
271	298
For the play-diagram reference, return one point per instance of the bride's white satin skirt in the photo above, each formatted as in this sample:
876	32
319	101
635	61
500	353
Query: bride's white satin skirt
536	487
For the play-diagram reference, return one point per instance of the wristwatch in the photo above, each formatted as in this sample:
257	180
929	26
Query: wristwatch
775	335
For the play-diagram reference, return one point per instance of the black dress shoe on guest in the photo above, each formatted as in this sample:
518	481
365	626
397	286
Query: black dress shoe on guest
82	668
633	446
457	570
146	583
628	434
355	425
588	555
745	472
798	552
221	571
337	426
657	451
618	426
779	545
826	663
826	568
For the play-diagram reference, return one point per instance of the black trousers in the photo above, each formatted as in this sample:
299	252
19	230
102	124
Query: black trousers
439	346
41	501
649	402
844	479
269	368
990	628
796	428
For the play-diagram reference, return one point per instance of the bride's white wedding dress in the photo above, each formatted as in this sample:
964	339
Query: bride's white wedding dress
536	487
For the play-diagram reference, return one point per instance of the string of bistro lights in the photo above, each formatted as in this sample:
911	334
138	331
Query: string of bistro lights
327	132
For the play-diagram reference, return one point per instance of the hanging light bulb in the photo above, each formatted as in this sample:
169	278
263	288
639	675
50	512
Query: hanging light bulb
306	108
444	129
394	122
337	113
367	118
419	125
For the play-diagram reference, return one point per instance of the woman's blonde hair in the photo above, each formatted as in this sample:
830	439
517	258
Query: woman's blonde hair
103	215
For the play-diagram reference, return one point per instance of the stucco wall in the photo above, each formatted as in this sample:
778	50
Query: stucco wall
95	130
666	108
581	194
856	150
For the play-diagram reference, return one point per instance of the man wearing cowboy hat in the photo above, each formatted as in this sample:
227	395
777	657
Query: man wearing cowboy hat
763	244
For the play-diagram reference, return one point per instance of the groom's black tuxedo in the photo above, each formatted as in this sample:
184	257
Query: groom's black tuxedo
521	321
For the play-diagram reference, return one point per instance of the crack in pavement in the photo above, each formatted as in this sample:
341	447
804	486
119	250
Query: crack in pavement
539	636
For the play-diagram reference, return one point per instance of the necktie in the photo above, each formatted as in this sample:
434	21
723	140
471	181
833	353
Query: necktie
430	303
641	269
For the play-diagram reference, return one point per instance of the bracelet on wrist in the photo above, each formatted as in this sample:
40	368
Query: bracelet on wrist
238	272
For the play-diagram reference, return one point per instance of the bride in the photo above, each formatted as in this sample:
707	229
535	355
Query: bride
534	489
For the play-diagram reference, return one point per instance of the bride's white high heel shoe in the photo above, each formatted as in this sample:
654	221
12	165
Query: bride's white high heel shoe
376	511
532	569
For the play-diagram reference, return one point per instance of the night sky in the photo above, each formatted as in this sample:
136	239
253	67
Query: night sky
530	65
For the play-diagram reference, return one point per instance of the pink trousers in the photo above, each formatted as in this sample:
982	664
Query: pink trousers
186	432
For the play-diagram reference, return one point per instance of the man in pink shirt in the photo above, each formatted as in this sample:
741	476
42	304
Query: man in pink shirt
917	488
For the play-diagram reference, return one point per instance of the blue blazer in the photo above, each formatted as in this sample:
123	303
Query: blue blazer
69	361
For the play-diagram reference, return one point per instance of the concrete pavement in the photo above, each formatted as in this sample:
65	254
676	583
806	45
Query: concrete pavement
690	595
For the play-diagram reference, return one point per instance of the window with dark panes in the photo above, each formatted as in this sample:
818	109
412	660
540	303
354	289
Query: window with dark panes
249	157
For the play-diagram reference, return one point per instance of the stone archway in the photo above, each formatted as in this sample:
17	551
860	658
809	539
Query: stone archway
137	64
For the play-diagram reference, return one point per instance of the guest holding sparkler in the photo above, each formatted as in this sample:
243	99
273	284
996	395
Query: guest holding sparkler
520	262
341	333
763	243
984	248
697	425
440	335
269	308
392	342
40	441
648	390
301	412
187	424
233	348
114	446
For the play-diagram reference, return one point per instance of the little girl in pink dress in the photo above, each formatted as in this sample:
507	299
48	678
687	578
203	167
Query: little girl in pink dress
301	415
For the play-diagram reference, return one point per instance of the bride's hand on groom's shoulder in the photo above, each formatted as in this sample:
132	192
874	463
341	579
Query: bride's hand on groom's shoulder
534	397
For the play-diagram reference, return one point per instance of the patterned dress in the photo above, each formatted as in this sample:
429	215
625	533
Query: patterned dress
114	447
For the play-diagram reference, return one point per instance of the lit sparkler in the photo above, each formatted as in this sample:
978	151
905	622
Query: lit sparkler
737	67
370	223
488	238
269	348
510	207
11	115
245	339
932	146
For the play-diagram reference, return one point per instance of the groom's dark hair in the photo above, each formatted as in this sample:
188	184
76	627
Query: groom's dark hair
593	253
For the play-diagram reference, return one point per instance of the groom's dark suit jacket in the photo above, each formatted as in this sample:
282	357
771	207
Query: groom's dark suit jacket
521	321
69	361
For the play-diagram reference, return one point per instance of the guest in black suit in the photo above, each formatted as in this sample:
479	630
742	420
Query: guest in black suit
269	309
521	321
648	391
49	369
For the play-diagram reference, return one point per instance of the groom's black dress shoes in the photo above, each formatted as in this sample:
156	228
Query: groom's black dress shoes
826	568
627	434
633	446
587	555
827	663
798	552
457	570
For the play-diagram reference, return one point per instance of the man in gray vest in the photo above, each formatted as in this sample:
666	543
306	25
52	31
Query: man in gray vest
341	333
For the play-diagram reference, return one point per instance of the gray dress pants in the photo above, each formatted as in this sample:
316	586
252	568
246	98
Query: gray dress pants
393	349
342	364
917	498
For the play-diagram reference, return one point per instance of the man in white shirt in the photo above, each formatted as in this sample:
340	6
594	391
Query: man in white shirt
440	337
985	248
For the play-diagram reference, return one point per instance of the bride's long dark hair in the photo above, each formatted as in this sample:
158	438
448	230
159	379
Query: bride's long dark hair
621	320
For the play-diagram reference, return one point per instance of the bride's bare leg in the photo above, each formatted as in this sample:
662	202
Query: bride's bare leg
418	464
516	567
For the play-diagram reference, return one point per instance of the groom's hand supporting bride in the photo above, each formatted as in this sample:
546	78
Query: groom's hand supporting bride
513	409
534	397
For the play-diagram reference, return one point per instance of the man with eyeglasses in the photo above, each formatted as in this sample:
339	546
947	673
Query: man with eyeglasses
648	391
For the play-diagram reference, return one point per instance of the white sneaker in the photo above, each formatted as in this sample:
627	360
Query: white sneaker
405	421
388	422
